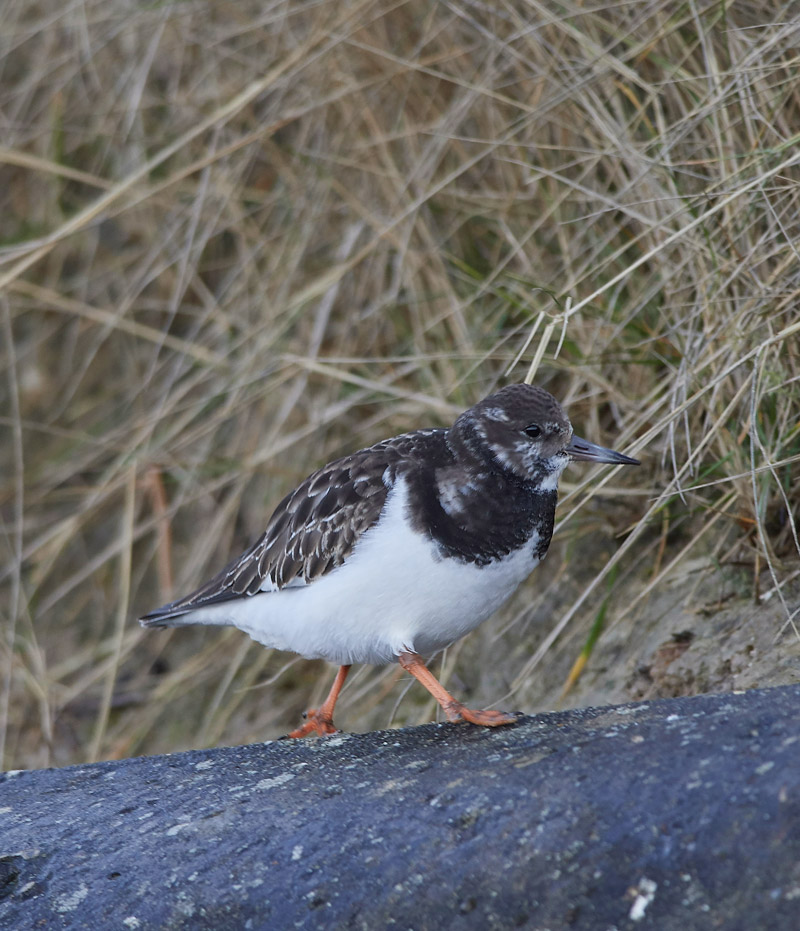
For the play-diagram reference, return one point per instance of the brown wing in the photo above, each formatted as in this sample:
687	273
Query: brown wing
314	529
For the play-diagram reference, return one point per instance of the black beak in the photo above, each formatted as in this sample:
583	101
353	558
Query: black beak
591	452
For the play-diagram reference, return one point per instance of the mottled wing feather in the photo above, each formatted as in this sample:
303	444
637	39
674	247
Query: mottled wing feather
315	528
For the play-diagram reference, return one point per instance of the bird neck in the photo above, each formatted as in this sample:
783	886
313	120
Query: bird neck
476	510
469	448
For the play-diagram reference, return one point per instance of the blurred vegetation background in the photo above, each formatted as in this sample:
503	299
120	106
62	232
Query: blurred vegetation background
238	239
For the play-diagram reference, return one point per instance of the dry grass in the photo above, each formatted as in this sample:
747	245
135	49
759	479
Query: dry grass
239	239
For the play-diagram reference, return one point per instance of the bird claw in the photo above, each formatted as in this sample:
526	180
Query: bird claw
316	722
489	718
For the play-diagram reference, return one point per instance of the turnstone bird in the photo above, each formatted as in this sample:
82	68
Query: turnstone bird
398	550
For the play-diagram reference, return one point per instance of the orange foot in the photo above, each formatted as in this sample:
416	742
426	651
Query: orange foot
455	711
320	720
317	721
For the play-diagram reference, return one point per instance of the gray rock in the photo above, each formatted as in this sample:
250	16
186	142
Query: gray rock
672	814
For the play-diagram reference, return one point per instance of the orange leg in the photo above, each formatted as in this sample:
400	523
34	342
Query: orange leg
455	711
320	720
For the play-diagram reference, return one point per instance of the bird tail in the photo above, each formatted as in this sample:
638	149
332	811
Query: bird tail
170	615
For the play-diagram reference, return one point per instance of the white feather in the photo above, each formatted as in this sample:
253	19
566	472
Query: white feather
395	592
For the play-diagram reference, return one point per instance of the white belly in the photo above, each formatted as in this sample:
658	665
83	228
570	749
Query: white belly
394	593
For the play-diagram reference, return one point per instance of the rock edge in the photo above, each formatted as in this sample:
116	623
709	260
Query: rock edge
682	813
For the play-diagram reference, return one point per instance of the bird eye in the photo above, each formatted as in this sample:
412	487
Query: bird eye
533	430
